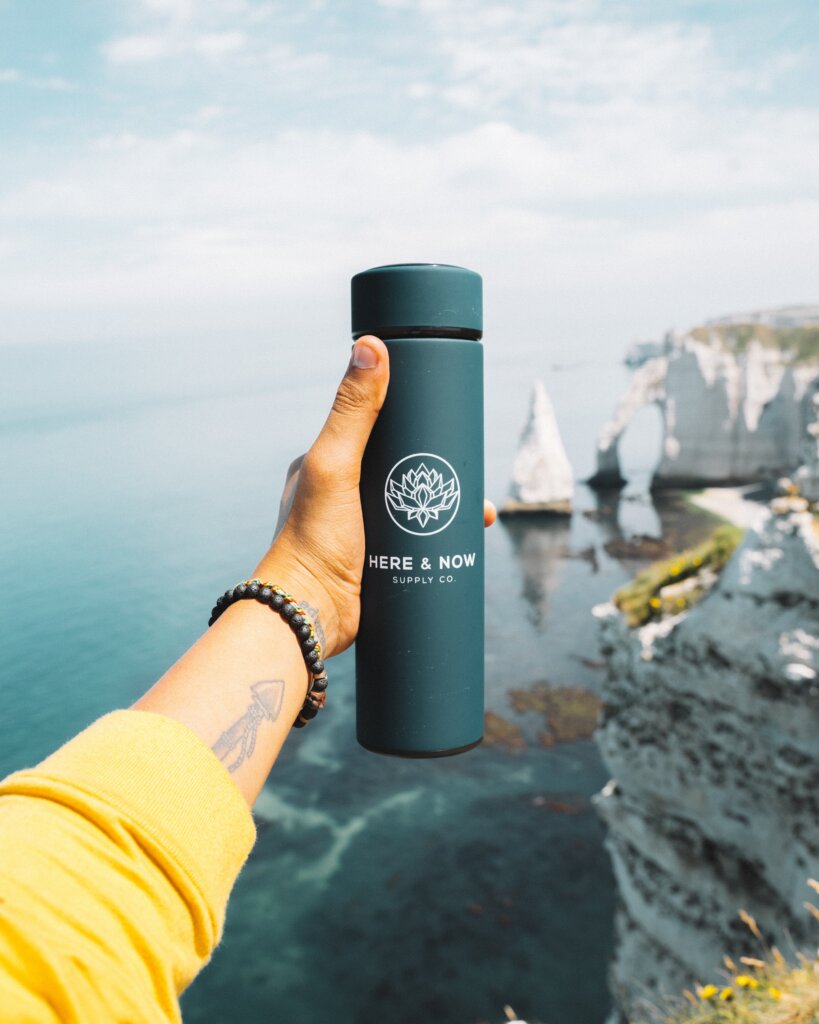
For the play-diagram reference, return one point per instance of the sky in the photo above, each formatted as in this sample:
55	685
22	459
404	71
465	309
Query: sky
613	168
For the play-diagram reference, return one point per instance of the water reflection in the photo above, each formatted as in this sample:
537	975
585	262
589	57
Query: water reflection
541	545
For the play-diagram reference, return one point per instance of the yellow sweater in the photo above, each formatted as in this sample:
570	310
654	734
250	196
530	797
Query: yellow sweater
117	856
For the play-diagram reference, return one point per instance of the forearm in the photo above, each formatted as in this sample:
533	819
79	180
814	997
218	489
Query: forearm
241	685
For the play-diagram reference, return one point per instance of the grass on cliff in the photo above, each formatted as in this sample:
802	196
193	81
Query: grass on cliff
670	586
759	990
800	343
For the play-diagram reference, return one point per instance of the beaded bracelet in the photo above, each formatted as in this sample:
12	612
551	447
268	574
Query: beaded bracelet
299	621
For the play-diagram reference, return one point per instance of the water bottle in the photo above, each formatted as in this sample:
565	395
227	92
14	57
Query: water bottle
419	650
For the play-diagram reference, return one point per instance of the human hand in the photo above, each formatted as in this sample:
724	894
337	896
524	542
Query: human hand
318	550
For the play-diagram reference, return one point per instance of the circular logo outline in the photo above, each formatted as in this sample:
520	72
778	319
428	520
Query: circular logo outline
417	455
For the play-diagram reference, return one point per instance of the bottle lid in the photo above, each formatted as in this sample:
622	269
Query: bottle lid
413	298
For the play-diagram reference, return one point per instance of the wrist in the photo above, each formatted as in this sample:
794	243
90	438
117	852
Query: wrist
286	571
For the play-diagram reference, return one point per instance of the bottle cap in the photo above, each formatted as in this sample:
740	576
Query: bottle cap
416	298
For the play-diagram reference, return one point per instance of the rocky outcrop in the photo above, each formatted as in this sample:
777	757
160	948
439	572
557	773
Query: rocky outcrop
735	398
807	477
709	726
542	476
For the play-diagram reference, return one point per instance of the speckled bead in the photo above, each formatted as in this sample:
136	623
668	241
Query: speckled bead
289	610
277	601
319	684
304	631
317	667
265	594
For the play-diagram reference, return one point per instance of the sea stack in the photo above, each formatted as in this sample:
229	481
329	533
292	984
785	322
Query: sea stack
542	477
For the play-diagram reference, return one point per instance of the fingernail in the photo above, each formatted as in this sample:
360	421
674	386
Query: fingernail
364	357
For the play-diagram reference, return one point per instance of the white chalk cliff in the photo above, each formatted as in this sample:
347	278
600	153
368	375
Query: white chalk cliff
734	396
709	727
542	476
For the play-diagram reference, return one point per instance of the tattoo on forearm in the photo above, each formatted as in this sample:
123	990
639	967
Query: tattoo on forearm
315	615
267	703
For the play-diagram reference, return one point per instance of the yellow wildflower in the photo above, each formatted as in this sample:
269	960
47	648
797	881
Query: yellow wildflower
696	560
655	602
746	981
727	995
676	568
708	991
774	993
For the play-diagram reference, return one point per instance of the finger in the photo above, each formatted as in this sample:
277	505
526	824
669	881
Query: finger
490	513
356	406
286	502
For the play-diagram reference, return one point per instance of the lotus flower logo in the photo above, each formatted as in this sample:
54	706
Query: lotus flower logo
422	490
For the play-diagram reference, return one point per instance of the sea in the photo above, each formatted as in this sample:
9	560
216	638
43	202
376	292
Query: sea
138	480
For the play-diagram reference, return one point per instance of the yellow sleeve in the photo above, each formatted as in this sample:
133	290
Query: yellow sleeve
117	856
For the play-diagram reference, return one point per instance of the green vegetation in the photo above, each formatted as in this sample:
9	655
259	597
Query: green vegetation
661	588
760	990
801	344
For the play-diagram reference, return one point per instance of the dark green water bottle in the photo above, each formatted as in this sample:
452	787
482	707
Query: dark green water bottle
419	651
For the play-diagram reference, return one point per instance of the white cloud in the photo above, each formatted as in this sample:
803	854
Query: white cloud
52	82
568	154
158	46
138	48
525	54
218	44
196	222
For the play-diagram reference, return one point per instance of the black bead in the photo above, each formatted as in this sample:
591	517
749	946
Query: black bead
319	685
240	591
253	590
308	712
317	667
220	602
276	601
298	724
211	621
303	631
312	657
289	610
297	620
308	644
265	594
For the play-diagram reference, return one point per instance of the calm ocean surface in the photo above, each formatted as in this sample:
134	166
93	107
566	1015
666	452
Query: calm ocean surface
136	483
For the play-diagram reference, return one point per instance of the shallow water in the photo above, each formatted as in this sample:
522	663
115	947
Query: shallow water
135	484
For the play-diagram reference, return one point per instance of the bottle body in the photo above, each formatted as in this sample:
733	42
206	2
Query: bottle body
420	646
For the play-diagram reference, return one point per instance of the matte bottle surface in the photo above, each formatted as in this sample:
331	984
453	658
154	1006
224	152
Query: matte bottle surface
419	652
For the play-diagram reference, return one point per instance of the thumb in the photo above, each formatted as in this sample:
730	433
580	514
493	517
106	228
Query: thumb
356	406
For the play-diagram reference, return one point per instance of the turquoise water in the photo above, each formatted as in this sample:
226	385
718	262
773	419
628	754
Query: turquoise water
136	482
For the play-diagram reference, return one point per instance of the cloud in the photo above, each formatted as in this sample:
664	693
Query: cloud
53	82
601	170
526	54
137	49
196	222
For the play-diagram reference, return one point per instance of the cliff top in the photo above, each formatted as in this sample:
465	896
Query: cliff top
799	344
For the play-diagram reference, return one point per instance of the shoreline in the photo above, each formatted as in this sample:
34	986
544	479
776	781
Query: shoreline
728	504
